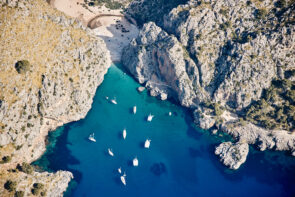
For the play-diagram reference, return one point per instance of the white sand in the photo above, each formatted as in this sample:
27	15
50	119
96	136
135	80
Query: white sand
107	24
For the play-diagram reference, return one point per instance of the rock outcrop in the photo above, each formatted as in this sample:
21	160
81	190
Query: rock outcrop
59	66
232	155
219	58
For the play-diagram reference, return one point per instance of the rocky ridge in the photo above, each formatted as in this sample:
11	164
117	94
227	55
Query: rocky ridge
217	58
232	155
62	63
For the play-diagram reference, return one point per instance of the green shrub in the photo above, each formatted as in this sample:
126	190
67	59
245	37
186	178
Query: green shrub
19	194
22	66
10	185
261	13
26	168
37	188
6	159
217	109
280	3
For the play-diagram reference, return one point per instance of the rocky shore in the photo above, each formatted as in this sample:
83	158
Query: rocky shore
50	68
231	62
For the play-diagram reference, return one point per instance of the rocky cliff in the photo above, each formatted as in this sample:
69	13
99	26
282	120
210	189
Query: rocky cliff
232	62
50	69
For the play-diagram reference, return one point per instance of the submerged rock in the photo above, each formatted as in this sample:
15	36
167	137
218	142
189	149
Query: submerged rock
232	155
158	168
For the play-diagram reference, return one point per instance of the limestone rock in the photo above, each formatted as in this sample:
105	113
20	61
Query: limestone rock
66	66
226	52
140	89
204	119
160	61
232	155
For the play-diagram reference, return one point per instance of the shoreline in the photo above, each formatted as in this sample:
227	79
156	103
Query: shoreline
57	90
115	28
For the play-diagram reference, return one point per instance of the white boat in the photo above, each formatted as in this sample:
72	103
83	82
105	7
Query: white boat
110	152
91	137
114	101
107	97
170	113
147	143
134	109
135	161
123	180
124	134
150	117
119	170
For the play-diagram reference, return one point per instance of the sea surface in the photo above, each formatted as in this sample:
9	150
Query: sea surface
180	161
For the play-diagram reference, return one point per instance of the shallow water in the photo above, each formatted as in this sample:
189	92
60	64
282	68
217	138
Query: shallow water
180	161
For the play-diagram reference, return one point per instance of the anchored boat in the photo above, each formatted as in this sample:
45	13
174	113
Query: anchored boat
147	143
91	137
150	117
110	152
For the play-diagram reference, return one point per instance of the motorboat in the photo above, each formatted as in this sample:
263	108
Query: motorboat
134	110
147	143
150	117
120	170
110	152
170	113
135	161
91	137
124	134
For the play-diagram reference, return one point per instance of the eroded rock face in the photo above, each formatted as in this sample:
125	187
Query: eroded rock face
232	54
232	155
159	60
67	63
223	52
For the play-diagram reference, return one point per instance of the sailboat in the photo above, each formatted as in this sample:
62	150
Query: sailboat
134	110
123	180
147	143
91	137
110	152
114	101
135	161
150	117
124	134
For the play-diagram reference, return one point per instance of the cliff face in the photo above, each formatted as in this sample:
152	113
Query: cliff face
50	69
219	58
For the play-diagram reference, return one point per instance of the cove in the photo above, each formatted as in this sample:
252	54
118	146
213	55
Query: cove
180	161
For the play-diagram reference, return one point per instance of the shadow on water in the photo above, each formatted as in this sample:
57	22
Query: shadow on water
192	130
268	167
52	162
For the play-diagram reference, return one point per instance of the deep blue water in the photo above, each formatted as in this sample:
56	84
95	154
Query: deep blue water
180	161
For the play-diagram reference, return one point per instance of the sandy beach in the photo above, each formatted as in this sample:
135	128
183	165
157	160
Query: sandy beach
110	25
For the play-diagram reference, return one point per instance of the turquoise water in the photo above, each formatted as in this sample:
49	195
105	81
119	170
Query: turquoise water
180	161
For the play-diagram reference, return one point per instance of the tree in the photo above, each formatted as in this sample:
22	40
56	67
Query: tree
37	187
10	185
22	66
19	194
6	159
26	168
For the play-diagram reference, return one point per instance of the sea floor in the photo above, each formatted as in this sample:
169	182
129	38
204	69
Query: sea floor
179	162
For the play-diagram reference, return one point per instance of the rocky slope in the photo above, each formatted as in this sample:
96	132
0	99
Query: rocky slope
219	58
50	69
